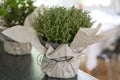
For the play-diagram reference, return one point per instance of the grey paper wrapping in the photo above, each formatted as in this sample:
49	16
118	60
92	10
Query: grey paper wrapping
16	48
88	36
54	62
61	62
13	47
24	34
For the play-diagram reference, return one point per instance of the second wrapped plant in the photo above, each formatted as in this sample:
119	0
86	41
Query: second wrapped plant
13	13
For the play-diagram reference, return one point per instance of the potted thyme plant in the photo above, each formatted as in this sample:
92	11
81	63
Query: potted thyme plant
56	28
60	25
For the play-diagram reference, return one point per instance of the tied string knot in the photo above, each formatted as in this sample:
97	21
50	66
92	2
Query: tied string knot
62	59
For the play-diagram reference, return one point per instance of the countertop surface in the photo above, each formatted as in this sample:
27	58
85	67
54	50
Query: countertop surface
23	67
26	67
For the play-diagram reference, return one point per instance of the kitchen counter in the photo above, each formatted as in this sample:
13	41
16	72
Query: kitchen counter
26	67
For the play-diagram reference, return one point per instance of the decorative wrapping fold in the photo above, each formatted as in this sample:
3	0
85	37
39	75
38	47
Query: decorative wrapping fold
62	62
88	36
61	51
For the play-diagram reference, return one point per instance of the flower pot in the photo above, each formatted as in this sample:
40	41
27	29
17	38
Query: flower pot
16	48
13	47
59	62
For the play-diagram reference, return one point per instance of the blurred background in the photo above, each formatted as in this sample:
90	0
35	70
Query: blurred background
102	59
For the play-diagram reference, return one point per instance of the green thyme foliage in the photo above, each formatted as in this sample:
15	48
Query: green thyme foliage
14	12
60	25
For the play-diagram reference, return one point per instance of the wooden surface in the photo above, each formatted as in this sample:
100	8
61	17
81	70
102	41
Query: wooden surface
103	70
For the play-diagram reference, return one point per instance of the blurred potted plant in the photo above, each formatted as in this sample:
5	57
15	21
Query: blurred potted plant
12	13
56	28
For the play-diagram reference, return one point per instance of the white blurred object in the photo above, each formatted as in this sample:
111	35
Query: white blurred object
50	3
109	22
84	76
96	2
93	51
68	3
117	6
113	7
1	1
